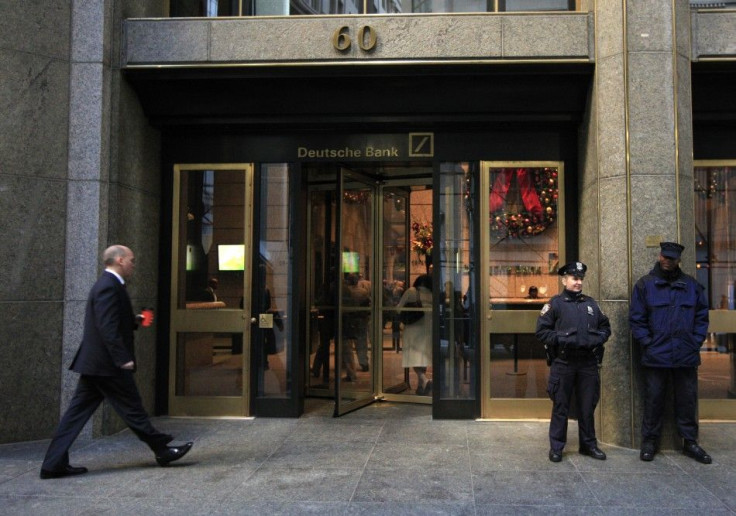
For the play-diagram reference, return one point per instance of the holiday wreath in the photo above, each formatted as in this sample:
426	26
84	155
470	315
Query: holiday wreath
538	189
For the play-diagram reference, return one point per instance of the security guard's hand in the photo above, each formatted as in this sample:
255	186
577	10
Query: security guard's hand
598	352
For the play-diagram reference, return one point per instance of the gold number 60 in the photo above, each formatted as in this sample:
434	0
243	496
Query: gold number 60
367	38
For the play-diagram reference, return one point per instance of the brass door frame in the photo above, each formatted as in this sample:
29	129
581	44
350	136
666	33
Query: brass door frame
516	321
230	320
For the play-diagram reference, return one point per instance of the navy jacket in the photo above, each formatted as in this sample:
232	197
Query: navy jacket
668	319
575	321
109	323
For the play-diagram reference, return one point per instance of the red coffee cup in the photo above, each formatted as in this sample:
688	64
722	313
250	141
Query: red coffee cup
147	317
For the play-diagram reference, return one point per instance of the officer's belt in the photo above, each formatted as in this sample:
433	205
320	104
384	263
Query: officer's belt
577	354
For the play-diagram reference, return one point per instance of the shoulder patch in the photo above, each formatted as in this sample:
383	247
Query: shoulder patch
545	308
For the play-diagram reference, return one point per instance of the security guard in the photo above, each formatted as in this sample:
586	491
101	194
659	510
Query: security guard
573	330
668	317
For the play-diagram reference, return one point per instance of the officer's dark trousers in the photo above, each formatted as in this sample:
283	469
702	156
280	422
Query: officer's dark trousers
580	375
122	393
685	387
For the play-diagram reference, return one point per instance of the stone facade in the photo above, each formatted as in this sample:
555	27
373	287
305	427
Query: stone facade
80	165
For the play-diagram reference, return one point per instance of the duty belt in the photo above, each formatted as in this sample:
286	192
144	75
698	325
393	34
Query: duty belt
576	354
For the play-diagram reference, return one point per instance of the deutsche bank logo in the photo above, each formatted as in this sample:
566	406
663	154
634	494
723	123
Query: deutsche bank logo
421	145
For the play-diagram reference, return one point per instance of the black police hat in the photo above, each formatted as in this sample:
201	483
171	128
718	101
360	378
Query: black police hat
671	250
573	269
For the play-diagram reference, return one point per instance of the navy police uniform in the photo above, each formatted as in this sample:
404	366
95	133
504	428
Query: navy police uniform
573	330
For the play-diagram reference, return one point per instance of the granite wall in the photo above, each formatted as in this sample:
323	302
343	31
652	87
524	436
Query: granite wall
79	169
637	179
34	101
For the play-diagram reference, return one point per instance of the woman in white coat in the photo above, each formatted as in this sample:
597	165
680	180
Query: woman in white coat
417	336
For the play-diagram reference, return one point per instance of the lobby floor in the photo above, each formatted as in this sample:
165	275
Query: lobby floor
387	458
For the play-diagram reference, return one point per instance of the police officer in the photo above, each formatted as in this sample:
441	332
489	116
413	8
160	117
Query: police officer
573	330
668	317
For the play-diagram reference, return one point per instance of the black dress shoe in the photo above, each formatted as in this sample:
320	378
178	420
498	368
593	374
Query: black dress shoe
594	452
172	453
365	368
691	449
555	456
68	471
647	455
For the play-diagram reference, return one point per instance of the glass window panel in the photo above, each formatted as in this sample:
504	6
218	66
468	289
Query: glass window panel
211	251
457	300
715	253
518	366
441	6
535	5
717	371
715	227
201	8
273	345
524	239
396	209
322	288
209	364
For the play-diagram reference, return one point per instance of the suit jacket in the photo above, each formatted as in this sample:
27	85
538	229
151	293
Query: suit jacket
109	323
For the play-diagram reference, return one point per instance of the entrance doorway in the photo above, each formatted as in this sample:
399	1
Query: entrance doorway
369	241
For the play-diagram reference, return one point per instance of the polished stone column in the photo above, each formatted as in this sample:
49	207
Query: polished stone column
637	179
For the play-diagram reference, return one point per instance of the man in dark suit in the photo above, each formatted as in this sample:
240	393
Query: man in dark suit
106	362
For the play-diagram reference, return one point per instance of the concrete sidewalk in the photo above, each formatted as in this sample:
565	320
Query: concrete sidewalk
384	459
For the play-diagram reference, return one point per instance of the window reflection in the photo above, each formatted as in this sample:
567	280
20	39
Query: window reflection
715	251
458	303
211	249
272	344
524	253
220	8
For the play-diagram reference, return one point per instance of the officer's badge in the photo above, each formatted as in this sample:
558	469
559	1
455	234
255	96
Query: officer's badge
579	266
590	310
545	309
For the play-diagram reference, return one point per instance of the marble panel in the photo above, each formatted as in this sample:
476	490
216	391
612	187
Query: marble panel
86	236
88	144
653	213
615	407
610	106
649	25
438	37
684	116
683	28
166	41
651	113
397	38
546	36
90	20
714	34
33	219
614	230
30	354
589	228
34	98
588	139
609	29
136	145
40	27
134	222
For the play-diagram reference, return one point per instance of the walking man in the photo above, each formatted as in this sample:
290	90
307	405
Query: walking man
668	316
573	330
106	362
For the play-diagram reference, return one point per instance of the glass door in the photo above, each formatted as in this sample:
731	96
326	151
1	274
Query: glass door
210	315
354	350
522	242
